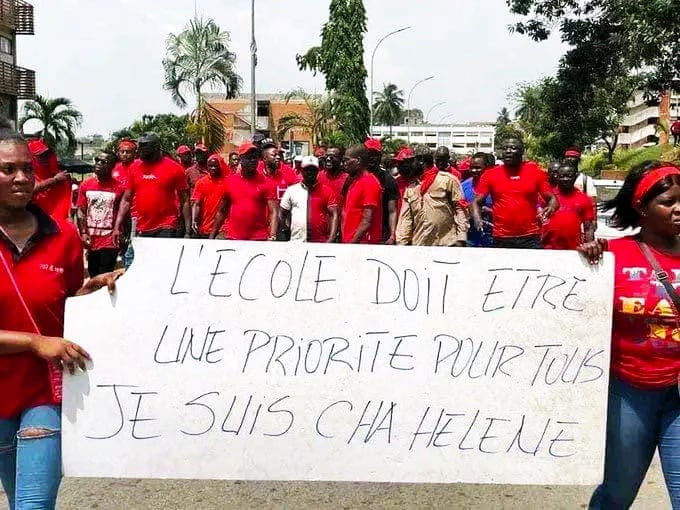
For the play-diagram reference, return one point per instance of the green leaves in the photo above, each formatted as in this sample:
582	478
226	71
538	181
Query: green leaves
172	130
388	105
59	119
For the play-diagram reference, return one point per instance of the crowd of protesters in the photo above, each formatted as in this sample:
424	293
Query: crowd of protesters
360	195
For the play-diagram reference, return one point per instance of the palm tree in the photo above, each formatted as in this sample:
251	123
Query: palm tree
388	106
59	120
317	120
196	57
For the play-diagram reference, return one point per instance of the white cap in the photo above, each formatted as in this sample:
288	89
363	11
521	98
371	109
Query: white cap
297	158
310	161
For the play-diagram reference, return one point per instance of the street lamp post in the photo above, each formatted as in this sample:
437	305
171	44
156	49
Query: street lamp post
372	57
427	116
253	63
448	115
408	104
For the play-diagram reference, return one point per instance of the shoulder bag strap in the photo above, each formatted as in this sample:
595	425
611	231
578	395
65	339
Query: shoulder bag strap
662	276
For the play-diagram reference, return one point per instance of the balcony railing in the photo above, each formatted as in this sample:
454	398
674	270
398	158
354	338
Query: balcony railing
17	81
17	15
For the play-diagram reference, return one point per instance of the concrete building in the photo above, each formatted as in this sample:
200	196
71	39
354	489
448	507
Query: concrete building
461	139
16	18
639	127
236	115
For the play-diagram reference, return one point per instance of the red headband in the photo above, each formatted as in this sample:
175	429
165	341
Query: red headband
127	144
650	180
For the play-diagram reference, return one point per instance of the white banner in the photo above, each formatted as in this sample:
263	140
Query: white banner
284	361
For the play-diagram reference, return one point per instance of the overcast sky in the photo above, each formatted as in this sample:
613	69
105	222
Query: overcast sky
105	55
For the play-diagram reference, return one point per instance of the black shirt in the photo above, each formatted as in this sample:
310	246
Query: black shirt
390	192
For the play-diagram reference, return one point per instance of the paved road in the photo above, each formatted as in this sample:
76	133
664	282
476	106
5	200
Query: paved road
168	495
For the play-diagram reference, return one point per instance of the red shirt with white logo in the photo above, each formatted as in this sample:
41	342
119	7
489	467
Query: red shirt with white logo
99	200
247	199
334	182
49	270
645	331
283	177
208	193
563	230
155	193
515	198
364	192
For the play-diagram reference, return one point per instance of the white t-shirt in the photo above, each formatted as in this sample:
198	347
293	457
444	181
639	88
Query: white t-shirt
587	182
295	200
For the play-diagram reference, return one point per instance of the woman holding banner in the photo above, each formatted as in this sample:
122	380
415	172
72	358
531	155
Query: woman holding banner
643	405
41	264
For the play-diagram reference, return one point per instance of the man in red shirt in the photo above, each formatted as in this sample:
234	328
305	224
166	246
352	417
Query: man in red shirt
309	208
442	160
404	161
333	174
207	195
157	192
276	171
362	210
52	187
127	152
98	201
576	214
515	188
249	203
390	192
234	162
675	131
199	168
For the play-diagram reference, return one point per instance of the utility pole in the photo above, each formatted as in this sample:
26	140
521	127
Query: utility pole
253	64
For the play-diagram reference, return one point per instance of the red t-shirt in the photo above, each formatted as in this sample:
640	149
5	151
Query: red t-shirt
155	193
48	272
563	230
284	177
248	218
515	198
55	201
208	192
364	192
334	182
645	332
121	172
100	200
321	197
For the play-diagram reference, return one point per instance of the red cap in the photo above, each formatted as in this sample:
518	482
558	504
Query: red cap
572	153
126	143
37	147
373	144
404	153
200	147
245	148
183	149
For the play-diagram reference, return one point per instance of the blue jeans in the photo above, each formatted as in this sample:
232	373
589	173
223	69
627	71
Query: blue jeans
639	421
30	458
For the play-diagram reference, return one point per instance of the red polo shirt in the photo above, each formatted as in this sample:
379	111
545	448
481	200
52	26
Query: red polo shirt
208	193
247	199
55	201
515	198
155	193
364	192
334	182
99	201
285	176
49	270
563	230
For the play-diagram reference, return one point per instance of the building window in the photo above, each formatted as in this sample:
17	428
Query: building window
458	134
262	109
417	133
5	45
432	145
402	133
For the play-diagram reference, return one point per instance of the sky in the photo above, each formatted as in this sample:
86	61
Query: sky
105	55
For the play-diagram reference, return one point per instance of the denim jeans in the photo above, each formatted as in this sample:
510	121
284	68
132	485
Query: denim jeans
639	421
30	465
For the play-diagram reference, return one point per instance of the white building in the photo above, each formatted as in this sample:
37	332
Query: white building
638	128
461	139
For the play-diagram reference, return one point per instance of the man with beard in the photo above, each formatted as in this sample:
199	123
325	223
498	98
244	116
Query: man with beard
515	188
390	192
362	196
249	203
333	174
98	201
432	213
156	191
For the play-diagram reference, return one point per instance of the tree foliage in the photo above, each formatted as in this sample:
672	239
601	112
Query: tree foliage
388	106
637	36
504	128
172	130
340	58
317	120
59	120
